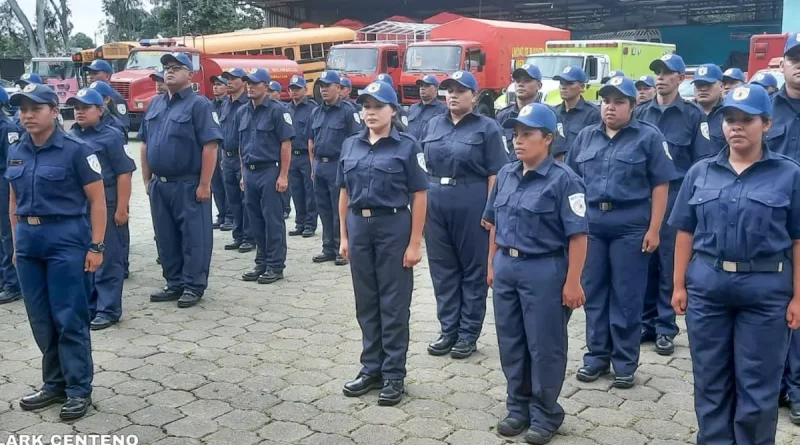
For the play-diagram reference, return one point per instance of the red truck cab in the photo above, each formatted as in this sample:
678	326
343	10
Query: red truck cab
361	62
763	49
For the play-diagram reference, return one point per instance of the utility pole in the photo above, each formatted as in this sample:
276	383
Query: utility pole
180	18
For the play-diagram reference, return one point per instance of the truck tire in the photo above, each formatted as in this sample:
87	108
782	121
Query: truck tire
317	93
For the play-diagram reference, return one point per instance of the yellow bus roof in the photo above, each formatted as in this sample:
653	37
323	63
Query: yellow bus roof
266	38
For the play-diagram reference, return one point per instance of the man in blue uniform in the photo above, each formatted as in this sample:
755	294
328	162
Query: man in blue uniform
101	70
158	78
265	141
708	94
224	220
180	135
574	113
766	80
428	106
646	89
331	123
9	134
109	117
305	209
29	78
345	89
732	78
681	123
274	93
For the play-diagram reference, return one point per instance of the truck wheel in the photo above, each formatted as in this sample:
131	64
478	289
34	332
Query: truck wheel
317	93
485	109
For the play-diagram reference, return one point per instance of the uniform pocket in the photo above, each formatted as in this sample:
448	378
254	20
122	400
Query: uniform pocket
705	204
532	210
51	173
631	169
389	177
765	211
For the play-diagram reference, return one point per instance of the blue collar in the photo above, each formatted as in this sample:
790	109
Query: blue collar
766	155
542	169
393	134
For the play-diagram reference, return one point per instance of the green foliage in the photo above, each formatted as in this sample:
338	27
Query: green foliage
82	41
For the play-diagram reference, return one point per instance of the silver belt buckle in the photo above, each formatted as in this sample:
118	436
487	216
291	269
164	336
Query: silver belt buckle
447	181
730	266
33	220
162	179
513	253
366	213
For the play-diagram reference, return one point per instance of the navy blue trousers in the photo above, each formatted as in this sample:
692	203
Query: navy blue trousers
218	192
106	297
10	281
305	208
232	175
326	194
265	208
658	316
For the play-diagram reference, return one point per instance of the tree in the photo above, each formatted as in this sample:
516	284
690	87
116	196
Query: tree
52	26
36	41
82	41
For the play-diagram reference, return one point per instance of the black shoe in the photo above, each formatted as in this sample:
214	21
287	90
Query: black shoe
188	299
784	401
226	227
362	385
794	414
590	373
391	393
165	294
216	225
340	261
8	297
253	274
233	246
623	381
127	274
247	247
41	399
539	436
442	345
75	408
323	257
308	233
511	427
647	336
270	277
664	345
463	349
296	232
100	323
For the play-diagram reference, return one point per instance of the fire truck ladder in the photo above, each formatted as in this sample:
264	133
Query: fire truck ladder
395	32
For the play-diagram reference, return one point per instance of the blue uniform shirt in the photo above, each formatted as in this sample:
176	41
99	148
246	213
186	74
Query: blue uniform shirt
381	175
740	217
625	168
783	136
113	121
713	128
473	148
227	120
331	125
573	121
9	134
301	117
558	147
49	180
218	104
420	113
680	124
537	213
121	107
108	144
262	129
175	130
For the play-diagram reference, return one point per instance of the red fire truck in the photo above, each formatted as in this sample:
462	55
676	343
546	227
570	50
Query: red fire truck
763	49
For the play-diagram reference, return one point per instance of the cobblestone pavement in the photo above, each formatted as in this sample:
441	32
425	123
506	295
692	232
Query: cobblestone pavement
264	364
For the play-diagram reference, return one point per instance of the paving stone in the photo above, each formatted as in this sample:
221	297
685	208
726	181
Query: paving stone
144	434
427	408
327	439
381	415
123	405
208	409
597	398
662	429
292	411
185	382
377	435
607	417
425	427
227	436
617	436
156	416
464	437
284	432
334	423
191	426
170	398
100	423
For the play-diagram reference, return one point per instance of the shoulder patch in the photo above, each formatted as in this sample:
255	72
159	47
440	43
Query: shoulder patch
127	151
13	136
666	149
404	120
215	116
704	130
122	109
505	144
94	163
288	118
577	203
421	162
357	118
560	128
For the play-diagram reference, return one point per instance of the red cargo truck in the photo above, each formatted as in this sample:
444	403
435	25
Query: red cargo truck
763	49
484	47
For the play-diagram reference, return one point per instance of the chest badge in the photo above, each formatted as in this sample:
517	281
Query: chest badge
577	203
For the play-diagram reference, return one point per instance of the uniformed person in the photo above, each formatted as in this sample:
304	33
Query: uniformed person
613	73
110	116
231	163
428	106
627	169
463	153
331	123
265	141
158	78
401	119
538	215
224	220
100	70
180	134
345	88
573	113
305	209
9	134
708	94
379	170
681	123
737	216
22	82
117	166
55	179
732	78
768	81
646	88
274	92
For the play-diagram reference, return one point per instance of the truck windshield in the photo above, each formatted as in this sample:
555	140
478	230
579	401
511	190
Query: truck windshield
552	66
433	59
144	60
54	69
353	60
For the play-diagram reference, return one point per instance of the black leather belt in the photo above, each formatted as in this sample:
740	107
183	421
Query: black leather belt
176	178
326	158
515	253
39	220
260	165
378	211
607	206
441	180
765	265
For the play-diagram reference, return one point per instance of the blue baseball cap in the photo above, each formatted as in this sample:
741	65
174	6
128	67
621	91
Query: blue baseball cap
380	91
792	42
220	79
428	80
100	65
345	82
41	94
103	88
87	96
671	62
237	73
649	81
733	74
179	58
258	76
616	73
28	78
329	78
534	115
158	75
463	78
3	97
529	70
385	78
765	80
275	86
621	84
572	73
708	73
750	98
297	81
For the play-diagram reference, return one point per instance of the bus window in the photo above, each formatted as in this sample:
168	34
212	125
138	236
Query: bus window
289	53
305	52
317	52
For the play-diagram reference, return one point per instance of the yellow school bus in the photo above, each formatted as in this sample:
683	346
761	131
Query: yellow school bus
116	53
82	59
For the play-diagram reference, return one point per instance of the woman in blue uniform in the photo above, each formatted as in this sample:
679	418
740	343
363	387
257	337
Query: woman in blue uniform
117	165
538	216
738	221
379	170
112	117
626	167
54	179
9	134
463	152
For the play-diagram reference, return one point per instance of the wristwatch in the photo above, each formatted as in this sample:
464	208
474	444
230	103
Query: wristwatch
97	247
